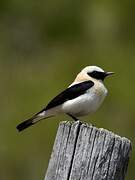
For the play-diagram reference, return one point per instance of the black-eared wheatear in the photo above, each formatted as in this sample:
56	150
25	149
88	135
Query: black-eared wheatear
84	96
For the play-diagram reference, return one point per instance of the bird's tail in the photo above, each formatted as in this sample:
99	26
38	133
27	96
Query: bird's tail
29	122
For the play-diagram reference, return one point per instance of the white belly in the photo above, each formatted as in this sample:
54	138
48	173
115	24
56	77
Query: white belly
86	103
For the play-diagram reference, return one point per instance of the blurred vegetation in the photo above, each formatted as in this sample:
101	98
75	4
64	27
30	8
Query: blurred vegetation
43	45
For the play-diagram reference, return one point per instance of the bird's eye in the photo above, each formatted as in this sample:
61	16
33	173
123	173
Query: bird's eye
97	75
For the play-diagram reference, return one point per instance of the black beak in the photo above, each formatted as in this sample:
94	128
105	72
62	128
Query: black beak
108	73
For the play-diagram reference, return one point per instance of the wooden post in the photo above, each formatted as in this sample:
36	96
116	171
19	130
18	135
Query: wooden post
84	152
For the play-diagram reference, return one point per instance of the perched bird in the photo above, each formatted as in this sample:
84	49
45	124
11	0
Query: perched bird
82	97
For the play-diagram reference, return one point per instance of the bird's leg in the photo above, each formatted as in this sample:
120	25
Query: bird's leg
73	117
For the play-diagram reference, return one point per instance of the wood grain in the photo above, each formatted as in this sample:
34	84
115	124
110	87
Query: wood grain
84	152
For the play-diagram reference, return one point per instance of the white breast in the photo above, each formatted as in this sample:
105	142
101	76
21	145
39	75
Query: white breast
86	103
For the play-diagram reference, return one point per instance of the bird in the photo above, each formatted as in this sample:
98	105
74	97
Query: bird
82	97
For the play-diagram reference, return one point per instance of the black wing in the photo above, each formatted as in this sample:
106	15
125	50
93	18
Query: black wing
70	93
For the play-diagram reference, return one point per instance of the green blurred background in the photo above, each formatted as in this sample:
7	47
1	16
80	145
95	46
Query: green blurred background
43	45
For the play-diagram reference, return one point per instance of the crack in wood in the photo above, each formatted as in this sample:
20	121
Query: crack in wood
75	143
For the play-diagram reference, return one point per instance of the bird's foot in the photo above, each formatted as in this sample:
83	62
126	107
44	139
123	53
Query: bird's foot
73	117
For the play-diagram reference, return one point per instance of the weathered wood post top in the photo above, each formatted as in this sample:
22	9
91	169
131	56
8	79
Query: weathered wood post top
84	152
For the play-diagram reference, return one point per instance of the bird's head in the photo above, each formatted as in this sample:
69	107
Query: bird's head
96	72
